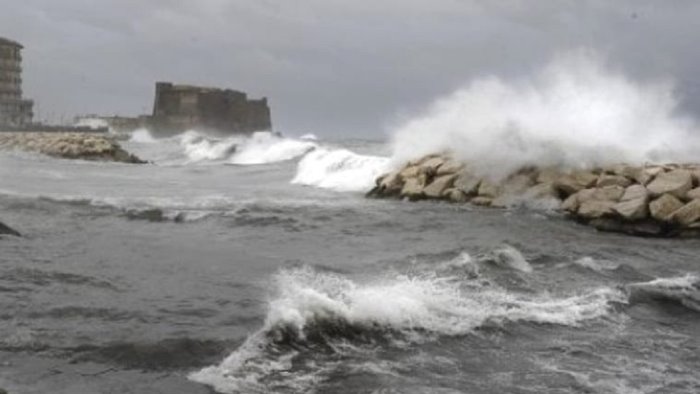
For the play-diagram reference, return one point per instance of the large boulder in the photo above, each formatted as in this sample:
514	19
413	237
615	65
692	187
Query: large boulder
687	214
634	209
467	182
481	201
575	181
439	185
409	172
412	189
635	192
593	209
431	165
612	180
574	201
455	195
663	207
488	189
675	182
634	203
542	191
694	194
450	166
608	193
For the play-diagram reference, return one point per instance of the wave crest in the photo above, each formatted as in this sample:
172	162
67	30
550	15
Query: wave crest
339	169
316	310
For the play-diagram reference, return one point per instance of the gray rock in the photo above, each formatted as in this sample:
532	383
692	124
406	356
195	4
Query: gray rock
412	189
612	180
542	191
455	195
635	192
569	184
593	209
488	189
608	193
694	194
634	209
663	207
467	182
675	182
450	166
481	201
439	185
687	214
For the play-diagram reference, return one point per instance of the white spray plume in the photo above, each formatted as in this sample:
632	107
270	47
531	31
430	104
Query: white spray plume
575	113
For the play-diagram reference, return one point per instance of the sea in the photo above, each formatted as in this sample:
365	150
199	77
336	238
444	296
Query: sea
257	265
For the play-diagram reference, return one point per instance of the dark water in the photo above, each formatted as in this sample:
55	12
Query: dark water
201	277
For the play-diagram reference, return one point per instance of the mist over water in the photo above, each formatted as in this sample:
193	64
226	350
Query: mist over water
575	113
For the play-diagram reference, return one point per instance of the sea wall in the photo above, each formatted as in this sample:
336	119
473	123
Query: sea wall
650	200
85	146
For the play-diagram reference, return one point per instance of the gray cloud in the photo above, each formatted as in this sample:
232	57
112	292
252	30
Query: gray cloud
328	66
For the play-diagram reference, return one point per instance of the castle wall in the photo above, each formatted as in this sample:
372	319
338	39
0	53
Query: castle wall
178	108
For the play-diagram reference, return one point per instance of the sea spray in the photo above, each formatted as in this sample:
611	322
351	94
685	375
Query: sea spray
142	136
575	113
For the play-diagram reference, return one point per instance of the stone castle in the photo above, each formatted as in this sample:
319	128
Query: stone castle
178	108
14	110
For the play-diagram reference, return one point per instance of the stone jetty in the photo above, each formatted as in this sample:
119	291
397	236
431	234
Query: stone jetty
85	146
648	200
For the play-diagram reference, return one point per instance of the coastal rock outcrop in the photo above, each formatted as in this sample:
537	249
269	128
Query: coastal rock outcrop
650	200
85	146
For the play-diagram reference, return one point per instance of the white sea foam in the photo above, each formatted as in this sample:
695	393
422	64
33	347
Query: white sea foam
418	306
574	113
508	257
339	169
142	136
199	147
265	147
309	137
683	289
596	265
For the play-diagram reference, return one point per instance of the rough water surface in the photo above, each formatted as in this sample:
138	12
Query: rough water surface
211	272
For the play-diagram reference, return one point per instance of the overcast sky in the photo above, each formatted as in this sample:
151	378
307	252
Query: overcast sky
330	67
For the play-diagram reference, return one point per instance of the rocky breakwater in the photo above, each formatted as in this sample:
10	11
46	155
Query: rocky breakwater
85	146
651	200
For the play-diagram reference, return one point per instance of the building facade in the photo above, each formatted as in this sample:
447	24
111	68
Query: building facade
179	108
14	110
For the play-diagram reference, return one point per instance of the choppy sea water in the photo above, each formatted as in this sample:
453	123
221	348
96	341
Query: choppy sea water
256	265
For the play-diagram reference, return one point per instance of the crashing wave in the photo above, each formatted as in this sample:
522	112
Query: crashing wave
319	310
339	169
142	136
200	147
574	113
682	289
264	147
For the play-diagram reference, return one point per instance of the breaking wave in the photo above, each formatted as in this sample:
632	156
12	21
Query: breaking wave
194	147
199	147
315	311
574	113
339	169
684	290
263	148
142	136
